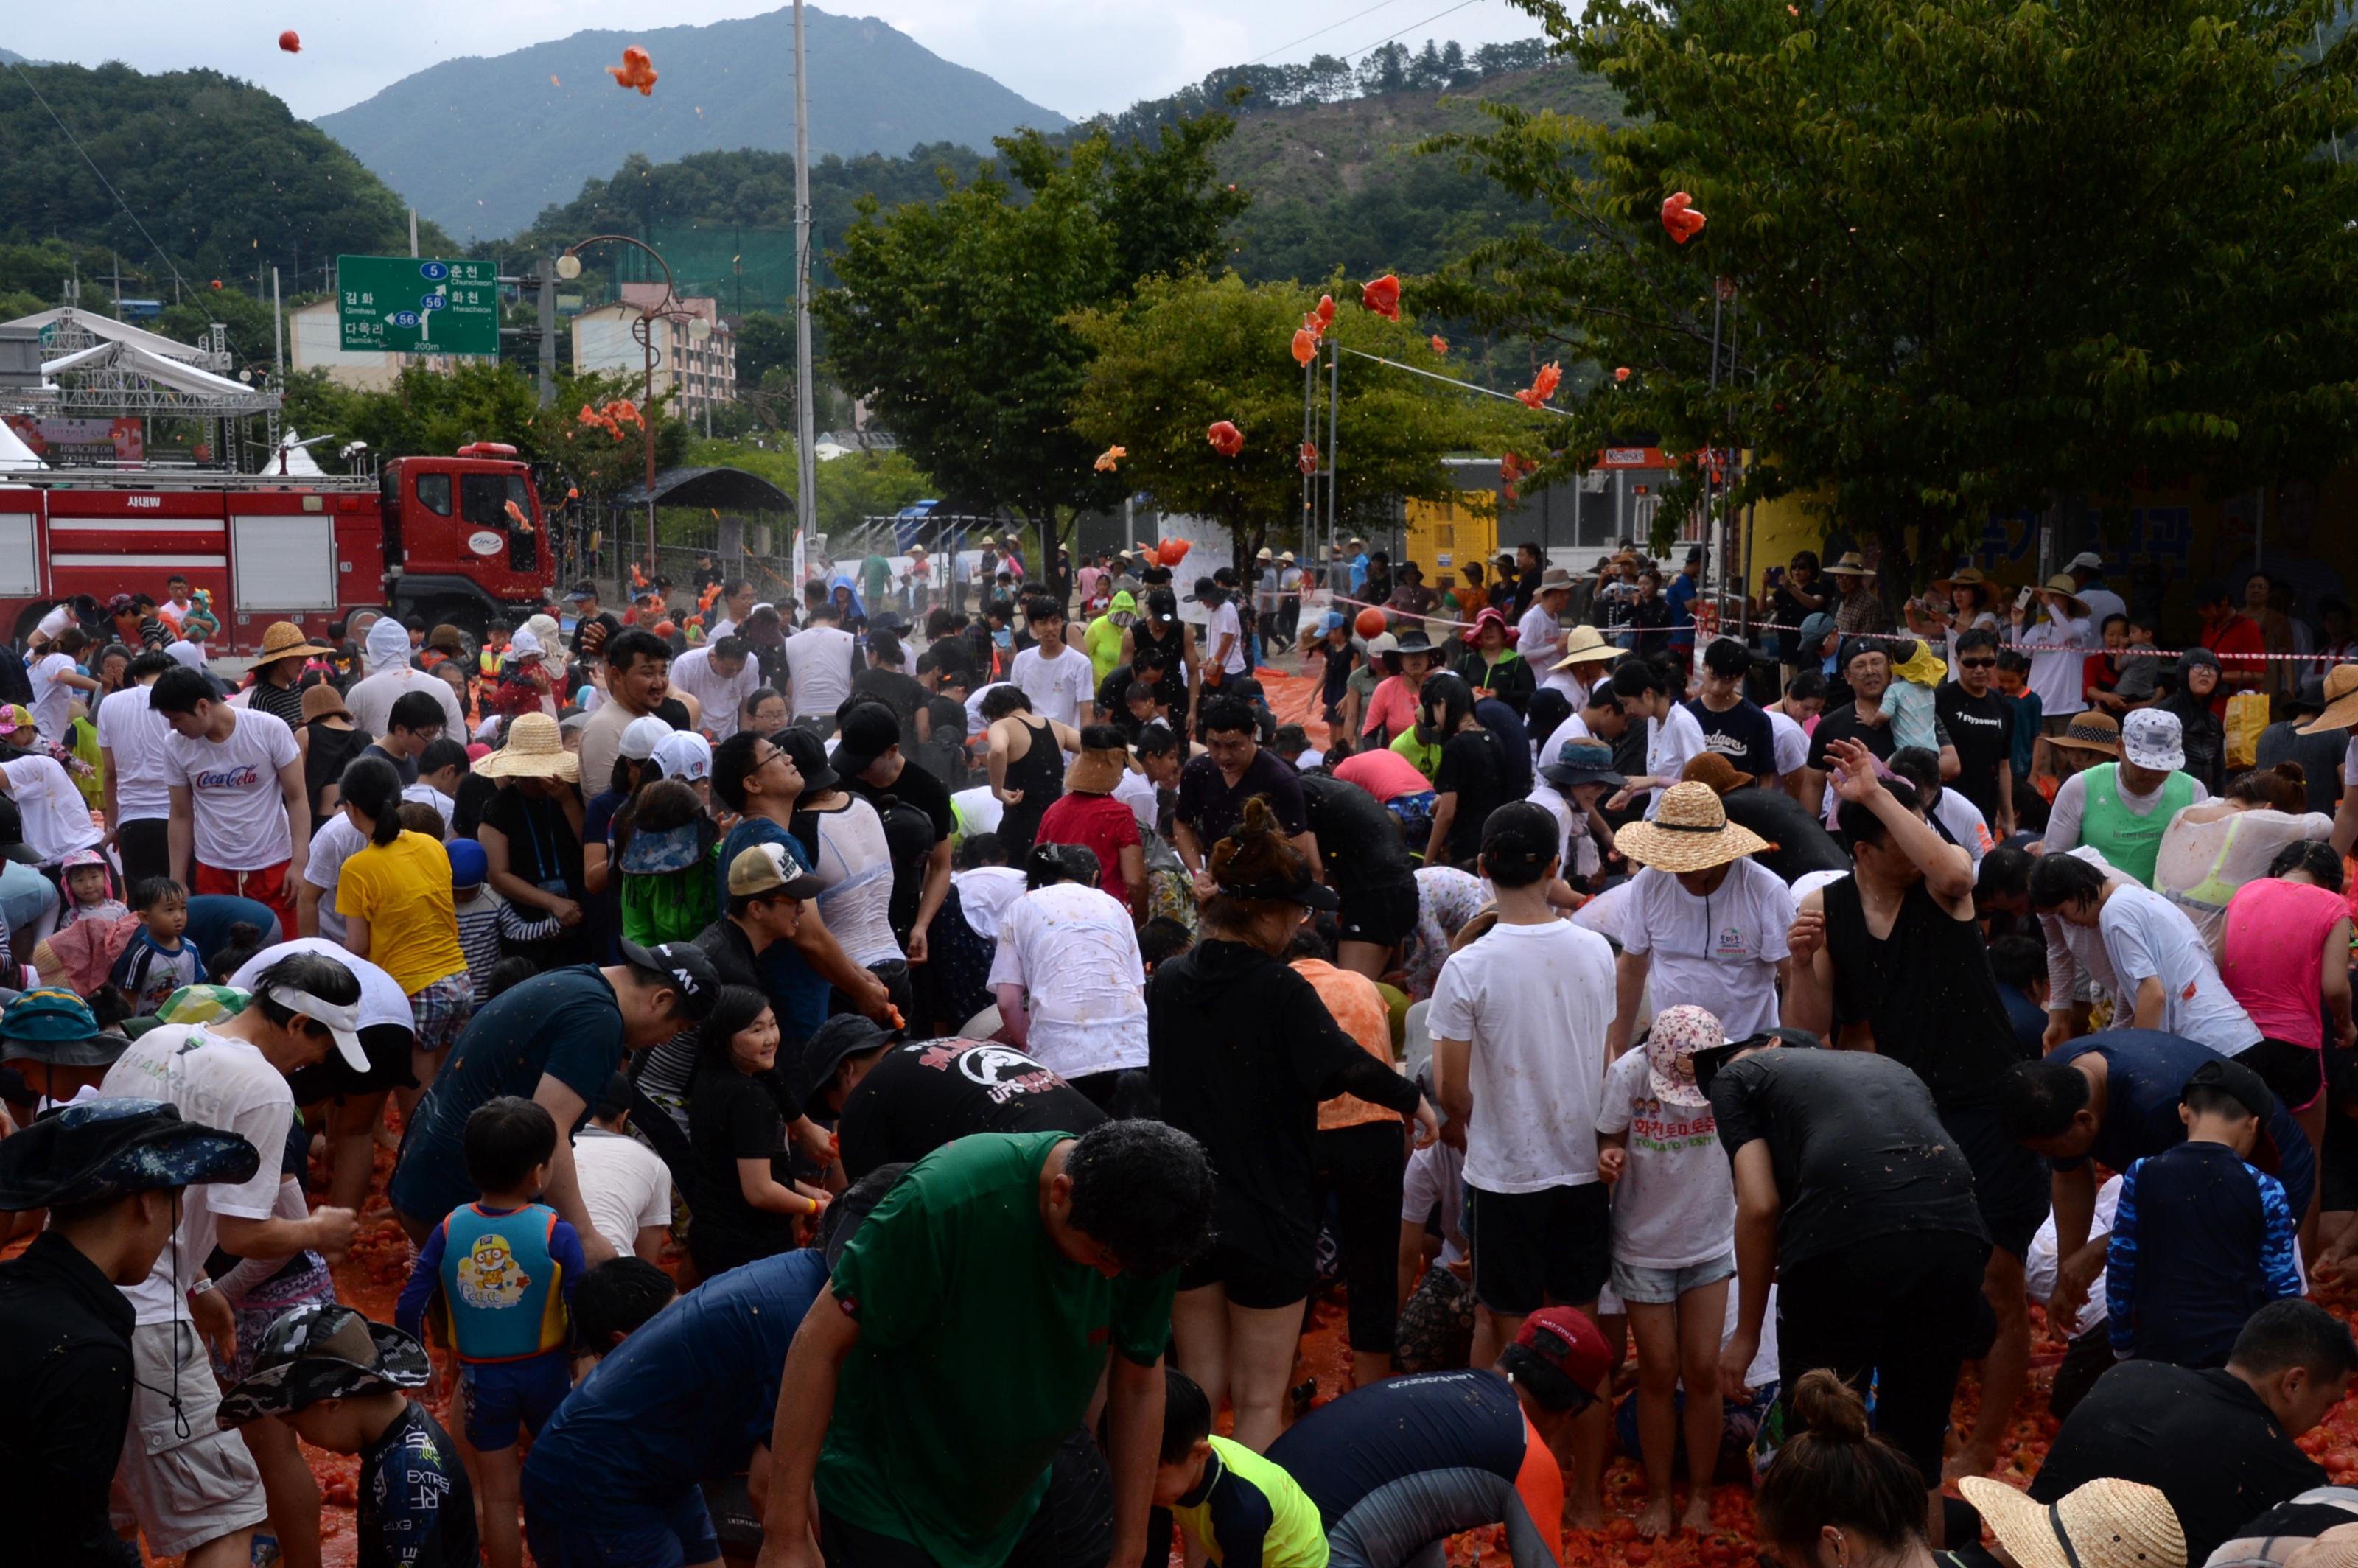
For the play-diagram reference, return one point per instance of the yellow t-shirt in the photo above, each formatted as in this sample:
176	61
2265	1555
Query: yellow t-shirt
403	891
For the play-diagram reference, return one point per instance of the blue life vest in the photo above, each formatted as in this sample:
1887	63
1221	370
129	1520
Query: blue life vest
499	1284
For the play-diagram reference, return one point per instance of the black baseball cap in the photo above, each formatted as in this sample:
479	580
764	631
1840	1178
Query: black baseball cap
1521	833
870	730
809	753
1162	605
689	969
845	1035
2250	1090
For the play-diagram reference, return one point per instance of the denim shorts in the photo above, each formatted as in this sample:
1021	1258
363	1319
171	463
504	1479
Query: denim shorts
1661	1287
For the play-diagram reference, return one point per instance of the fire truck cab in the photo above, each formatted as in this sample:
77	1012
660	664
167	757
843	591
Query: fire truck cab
458	539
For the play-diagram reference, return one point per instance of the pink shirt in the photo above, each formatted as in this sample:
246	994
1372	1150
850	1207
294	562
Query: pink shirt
2272	956
1391	709
1382	773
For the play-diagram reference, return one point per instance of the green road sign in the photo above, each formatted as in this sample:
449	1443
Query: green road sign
414	306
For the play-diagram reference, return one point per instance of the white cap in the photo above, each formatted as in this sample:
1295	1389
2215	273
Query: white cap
342	1022
524	644
641	736
682	754
2151	737
2086	560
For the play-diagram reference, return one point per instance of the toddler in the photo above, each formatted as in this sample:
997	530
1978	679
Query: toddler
90	894
1908	700
157	962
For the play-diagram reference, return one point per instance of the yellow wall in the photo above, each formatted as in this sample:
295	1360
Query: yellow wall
1442	535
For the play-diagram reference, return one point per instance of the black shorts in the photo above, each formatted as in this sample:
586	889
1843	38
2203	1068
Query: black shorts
1250	1281
1384	916
1531	1248
2297	1073
2012	1187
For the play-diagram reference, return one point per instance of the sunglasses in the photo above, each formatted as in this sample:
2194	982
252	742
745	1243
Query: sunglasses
1978	663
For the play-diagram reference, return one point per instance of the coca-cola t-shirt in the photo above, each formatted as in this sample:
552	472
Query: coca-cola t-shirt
240	814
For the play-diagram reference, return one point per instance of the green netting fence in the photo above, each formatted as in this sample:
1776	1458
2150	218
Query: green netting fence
745	268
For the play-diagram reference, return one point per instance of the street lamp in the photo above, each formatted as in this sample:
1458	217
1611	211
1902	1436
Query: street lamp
667	308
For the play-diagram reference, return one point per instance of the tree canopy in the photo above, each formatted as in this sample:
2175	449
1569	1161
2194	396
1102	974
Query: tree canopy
1979	252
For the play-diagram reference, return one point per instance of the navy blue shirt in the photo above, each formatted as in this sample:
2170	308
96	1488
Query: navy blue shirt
1742	734
798	992
2029	1021
416	1509
686	1396
2201	1242
1345	1450
2144	1071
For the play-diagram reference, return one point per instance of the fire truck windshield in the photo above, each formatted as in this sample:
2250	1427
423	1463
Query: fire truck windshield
483	498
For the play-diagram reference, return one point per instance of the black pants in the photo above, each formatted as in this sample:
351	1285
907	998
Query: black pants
1072	1526
1362	1167
1905	1310
2085	1360
1120	1092
146	845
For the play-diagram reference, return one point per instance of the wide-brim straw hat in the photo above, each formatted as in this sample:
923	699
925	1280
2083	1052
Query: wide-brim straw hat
285	639
1587	646
2341	701
1852	564
535	750
1969	576
1690	833
2065	586
2090	732
1095	772
322	700
2104	1523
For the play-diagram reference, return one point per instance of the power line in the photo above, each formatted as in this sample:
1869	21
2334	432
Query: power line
1410	28
161	253
1322	32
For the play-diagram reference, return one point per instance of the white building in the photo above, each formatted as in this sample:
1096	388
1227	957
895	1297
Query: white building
315	342
698	374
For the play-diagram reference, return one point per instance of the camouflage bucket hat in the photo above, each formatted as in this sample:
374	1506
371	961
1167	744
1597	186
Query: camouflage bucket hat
323	1352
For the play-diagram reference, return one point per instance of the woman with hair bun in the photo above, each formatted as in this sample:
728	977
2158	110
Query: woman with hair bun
1240	1051
1837	1496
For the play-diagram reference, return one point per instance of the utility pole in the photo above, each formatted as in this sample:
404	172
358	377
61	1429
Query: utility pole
805	430
413	234
547	272
278	332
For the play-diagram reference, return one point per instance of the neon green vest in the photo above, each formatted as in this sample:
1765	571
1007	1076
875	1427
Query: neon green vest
1295	1536
2132	843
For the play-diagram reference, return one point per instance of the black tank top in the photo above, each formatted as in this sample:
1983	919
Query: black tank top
1925	993
1039	772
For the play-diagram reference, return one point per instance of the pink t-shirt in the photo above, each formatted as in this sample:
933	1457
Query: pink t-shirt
1382	773
2272	956
1391	709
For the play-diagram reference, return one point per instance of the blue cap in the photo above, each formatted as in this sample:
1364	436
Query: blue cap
468	866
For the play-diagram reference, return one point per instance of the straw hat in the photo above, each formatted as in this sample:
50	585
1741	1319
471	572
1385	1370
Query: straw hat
1970	576
2105	1523
1265	553
1097	772
1587	646
2341	702
1555	579
535	750
2090	732
1852	564
1690	833
1711	768
2065	586
285	639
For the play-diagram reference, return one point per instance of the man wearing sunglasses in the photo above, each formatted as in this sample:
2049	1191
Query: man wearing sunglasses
1980	725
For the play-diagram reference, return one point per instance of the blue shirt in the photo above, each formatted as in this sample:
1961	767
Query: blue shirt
416	1509
686	1396
1682	594
2201	1242
2144	1071
1360	572
2029	1021
564	1024
798	992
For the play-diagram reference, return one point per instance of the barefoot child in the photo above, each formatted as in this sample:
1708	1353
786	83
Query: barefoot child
1673	1251
505	1269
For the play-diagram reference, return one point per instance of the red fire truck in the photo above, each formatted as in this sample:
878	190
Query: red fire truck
458	539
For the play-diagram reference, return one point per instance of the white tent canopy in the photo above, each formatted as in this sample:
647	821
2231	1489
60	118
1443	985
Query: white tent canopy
14	456
111	331
133	360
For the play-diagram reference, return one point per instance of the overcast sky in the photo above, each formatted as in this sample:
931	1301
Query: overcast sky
1076	56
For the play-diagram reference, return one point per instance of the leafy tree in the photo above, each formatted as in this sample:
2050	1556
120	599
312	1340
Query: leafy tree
1981	252
1189	351
765	341
954	318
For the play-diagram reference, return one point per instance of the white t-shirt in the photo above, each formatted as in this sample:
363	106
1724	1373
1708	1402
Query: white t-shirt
855	870
717	696
978	811
1436	1176
2073	951
819	670
1674	1205
2038	1265
57	818
2058	658
2145	934
54	623
1061	688
1720	953
1573	727
52	698
1225	623
1535	1001
371	699
1136	791
1075	952
984	894
1539	636
1791	742
1671	744
625	1186
1967	829
240	814
426	795
223	1084
336	841
135	736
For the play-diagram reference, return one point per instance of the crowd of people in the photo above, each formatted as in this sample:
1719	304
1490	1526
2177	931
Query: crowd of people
841	1089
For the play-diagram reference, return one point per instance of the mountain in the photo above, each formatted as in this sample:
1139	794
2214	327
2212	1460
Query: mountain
10	57
482	144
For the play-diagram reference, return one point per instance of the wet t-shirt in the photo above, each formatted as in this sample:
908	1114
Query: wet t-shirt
1855	1143
920	1096
1359	842
416	1509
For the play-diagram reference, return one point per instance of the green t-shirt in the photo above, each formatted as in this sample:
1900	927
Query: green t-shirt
980	1346
875	581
